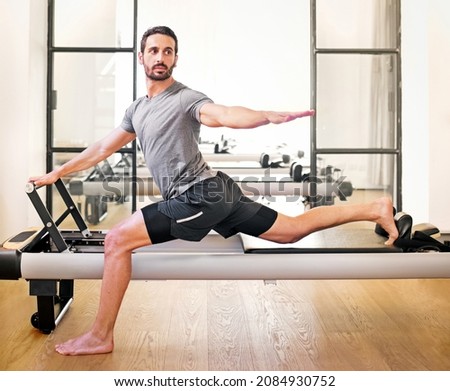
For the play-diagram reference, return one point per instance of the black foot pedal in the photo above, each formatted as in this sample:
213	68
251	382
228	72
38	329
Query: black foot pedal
404	223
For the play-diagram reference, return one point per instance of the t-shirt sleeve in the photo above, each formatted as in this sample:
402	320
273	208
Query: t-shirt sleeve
192	101
127	121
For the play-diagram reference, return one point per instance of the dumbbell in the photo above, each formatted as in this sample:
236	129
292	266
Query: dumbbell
296	172
222	146
267	160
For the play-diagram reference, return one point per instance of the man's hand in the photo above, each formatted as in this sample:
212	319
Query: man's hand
276	117
44	180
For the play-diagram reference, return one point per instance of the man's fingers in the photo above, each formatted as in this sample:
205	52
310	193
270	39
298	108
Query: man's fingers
281	117
292	116
307	113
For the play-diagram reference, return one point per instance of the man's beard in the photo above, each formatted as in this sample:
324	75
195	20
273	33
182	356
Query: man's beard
159	77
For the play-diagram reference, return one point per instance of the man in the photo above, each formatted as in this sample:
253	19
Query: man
195	198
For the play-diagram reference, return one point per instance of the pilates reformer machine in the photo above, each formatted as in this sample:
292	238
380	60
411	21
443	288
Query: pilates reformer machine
50	259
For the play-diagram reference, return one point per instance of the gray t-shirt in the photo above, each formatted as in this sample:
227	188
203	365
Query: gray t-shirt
168	128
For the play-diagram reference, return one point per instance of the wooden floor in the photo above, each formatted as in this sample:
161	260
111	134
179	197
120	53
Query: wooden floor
244	325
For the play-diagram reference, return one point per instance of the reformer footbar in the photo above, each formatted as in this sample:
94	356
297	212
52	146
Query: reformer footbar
52	258
49	293
58	292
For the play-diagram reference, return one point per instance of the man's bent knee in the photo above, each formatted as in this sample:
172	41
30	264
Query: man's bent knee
114	241
127	236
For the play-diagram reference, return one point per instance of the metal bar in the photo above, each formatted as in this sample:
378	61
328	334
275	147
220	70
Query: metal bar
134	143
50	97
357	151
46	218
65	298
72	209
77	49
399	112
356	51
313	72
63	311
203	265
62	217
81	149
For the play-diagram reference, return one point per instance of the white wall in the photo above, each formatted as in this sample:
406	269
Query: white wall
22	107
426	114
415	116
439	113
426	118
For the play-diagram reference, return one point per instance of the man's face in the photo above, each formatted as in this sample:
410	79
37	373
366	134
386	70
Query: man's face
159	57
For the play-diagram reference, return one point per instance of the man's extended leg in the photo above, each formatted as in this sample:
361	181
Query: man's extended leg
288	229
119	244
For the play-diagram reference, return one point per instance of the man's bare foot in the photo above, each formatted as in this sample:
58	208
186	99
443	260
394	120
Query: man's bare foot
384	208
84	345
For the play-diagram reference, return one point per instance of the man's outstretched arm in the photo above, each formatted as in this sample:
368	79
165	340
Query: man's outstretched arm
238	117
92	155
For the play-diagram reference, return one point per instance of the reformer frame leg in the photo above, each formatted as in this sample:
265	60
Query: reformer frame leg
46	292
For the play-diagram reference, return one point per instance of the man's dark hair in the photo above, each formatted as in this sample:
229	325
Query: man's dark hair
164	30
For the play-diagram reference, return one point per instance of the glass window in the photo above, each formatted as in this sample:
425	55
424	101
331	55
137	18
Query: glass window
357	24
102	194
356	101
373	173
238	56
99	23
93	91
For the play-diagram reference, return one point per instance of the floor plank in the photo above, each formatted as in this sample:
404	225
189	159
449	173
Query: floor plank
244	325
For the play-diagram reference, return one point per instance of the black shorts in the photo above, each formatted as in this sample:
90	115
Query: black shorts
213	204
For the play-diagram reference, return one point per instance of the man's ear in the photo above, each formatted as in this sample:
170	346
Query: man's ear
176	60
140	57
